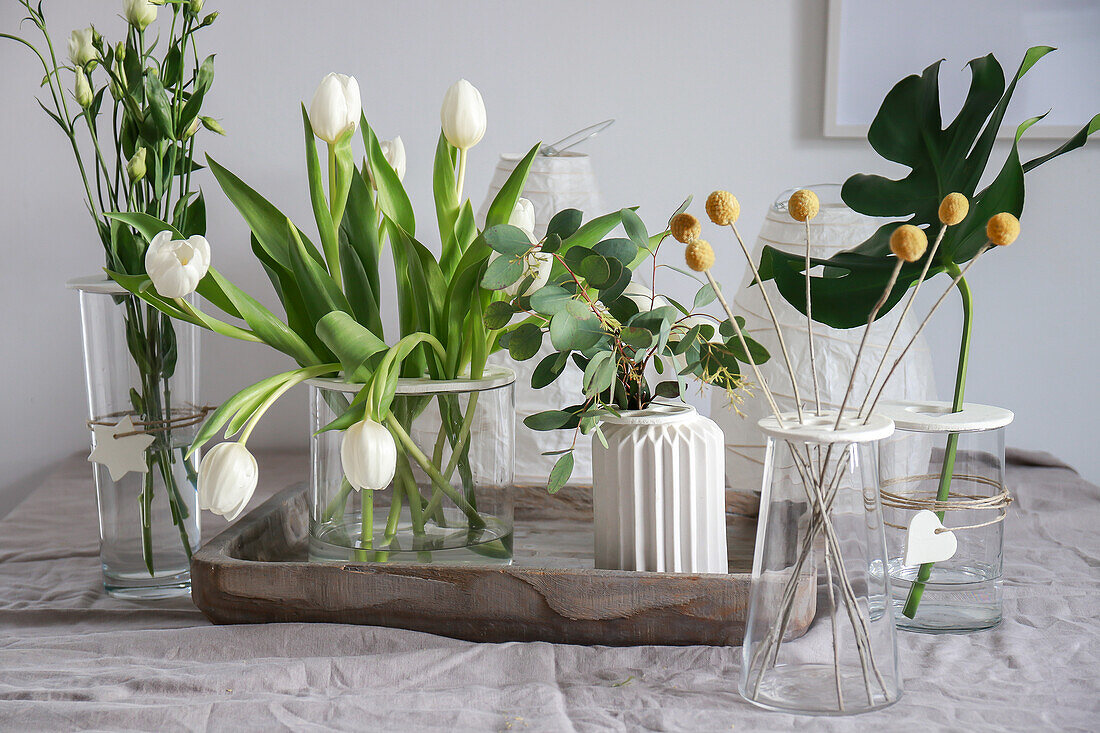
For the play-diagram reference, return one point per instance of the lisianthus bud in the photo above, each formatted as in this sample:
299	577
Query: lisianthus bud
685	228
368	455
120	53
335	108
81	50
135	167
191	129
196	6
908	242
803	205
83	90
208	20
139	13
213	125
463	115
177	266
1002	229
228	476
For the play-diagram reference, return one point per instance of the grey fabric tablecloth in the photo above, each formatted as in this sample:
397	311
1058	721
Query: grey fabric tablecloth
72	658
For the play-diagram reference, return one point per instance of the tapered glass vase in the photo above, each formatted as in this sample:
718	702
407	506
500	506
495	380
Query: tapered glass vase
820	519
143	412
450	500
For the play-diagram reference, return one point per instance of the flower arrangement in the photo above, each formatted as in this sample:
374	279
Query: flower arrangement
620	333
941	190
331	297
139	104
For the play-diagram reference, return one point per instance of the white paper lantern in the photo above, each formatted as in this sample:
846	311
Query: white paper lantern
835	228
564	181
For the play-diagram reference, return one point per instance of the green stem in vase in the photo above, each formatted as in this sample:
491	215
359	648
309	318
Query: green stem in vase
916	591
366	525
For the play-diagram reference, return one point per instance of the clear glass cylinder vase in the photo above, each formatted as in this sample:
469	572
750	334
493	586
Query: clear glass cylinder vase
142	378
820	520
451	497
953	464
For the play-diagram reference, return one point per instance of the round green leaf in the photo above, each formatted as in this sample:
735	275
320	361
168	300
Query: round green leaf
575	328
550	299
507	239
549	369
498	314
525	342
565	223
620	249
502	272
637	337
596	270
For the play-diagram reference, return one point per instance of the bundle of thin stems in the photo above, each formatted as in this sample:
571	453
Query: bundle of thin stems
908	244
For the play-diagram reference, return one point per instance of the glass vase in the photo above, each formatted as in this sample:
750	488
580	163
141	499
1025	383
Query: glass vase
142	377
951	463
820	519
451	497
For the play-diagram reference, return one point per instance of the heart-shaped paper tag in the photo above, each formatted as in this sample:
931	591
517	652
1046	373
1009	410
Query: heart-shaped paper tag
924	544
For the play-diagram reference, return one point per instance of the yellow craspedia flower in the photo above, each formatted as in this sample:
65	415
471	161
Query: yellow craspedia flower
723	208
1002	229
699	255
803	205
954	208
685	227
908	242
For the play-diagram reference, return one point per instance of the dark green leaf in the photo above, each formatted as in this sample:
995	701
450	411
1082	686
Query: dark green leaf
595	270
620	249
498	314
502	272
549	299
565	223
560	473
525	341
507	239
549	420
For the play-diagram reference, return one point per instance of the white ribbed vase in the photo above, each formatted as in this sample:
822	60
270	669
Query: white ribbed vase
658	492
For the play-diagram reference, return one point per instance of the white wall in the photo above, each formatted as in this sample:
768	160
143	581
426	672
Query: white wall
707	94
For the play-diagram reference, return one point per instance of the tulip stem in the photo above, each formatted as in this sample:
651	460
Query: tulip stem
461	174
425	463
333	256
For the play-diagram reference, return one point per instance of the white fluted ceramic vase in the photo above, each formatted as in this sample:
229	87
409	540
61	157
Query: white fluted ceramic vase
658	492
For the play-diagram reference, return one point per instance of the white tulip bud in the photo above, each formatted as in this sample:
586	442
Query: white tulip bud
83	90
463	115
135	167
228	476
335	108
81	50
369	455
177	266
394	150
139	13
523	217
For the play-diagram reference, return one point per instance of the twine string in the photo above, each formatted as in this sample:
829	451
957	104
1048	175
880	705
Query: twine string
956	502
180	417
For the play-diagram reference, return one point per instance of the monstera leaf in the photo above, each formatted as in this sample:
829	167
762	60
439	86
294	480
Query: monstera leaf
908	130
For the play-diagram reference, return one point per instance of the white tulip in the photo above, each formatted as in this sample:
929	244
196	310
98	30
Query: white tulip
227	479
369	455
463	115
177	266
394	152
81	50
335	108
523	217
139	13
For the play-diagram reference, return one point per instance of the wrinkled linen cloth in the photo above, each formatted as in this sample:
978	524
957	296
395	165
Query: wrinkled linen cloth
73	658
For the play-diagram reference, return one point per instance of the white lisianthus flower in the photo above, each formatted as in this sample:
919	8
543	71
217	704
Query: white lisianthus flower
463	115
177	266
335	108
369	455
139	13
81	50
228	476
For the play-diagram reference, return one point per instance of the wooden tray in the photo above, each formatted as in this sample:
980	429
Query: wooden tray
256	571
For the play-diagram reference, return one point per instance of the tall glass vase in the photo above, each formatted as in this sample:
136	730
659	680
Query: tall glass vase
142	379
820	519
450	500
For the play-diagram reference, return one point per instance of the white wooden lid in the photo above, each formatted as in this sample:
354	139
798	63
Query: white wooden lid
820	429
936	417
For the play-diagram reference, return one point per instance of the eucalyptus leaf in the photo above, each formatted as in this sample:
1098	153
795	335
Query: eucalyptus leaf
565	223
560	473
502	272
498	314
525	341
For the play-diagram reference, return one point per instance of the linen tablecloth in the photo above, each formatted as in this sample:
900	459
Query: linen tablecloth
73	658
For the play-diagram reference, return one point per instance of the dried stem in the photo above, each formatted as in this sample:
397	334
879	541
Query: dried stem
744	345
810	323
863	341
775	320
901	319
920	328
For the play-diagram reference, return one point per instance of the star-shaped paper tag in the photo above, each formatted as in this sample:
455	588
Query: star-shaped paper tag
120	454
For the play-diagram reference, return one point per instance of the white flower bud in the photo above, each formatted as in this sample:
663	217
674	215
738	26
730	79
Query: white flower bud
83	90
463	115
228	476
369	455
335	108
81	50
139	13
135	167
